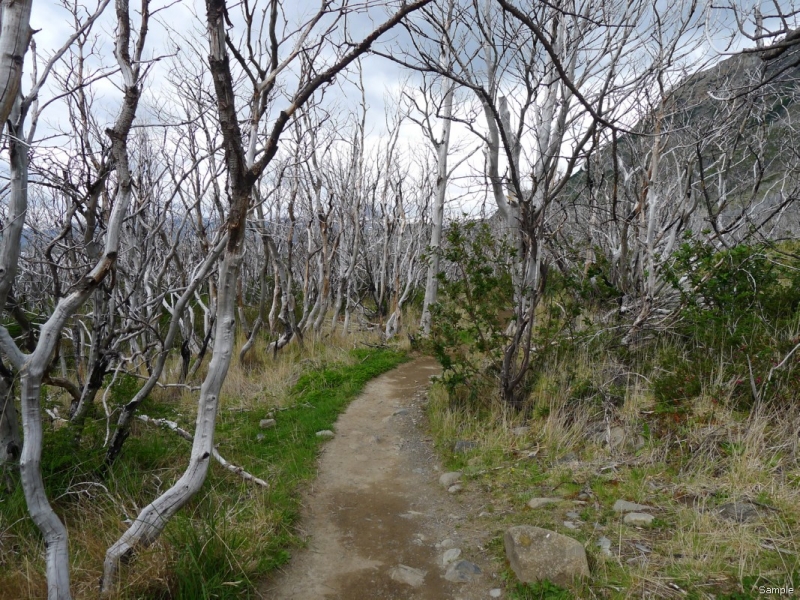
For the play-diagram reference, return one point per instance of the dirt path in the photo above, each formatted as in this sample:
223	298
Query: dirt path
377	508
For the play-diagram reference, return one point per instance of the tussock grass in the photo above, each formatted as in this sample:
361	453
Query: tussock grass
685	462
232	533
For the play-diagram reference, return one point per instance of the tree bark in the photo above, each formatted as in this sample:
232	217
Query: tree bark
15	35
10	440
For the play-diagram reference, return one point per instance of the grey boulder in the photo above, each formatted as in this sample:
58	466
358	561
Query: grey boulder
537	554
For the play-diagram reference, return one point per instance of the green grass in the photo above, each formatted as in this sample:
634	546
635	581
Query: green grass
539	591
217	553
230	536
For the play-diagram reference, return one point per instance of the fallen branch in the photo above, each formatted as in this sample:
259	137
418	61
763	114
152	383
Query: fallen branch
173	426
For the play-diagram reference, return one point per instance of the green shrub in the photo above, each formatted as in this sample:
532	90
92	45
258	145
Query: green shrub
469	321
738	309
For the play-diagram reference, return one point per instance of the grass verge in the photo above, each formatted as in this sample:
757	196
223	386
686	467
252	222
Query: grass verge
231	534
598	436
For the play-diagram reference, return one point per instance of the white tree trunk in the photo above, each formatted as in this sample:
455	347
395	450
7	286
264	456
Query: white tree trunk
15	35
442	151
151	521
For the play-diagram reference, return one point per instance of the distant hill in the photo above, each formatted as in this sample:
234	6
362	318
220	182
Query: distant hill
730	131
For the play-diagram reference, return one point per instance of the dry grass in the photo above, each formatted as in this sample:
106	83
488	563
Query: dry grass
686	470
95	513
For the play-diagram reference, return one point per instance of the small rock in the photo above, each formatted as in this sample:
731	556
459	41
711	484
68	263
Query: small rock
741	512
584	496
267	423
624	506
325	433
463	446
570	525
573	515
408	575
448	479
446	543
520	431
536	554
462	571
605	545
495	593
540	502
454	489
400	412
260	437
638	518
615	437
451	556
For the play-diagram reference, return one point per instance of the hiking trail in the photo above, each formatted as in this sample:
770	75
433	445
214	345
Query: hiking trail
376	520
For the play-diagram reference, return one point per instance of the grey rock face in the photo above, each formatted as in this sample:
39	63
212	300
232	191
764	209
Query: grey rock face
462	571
536	554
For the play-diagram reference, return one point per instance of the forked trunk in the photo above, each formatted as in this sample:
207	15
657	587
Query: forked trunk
151	521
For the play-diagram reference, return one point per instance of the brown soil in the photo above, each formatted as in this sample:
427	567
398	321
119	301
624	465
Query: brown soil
377	504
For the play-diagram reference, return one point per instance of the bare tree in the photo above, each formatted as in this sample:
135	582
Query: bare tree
245	164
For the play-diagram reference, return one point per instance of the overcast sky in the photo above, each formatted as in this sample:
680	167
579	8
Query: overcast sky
181	23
